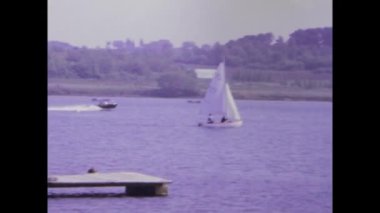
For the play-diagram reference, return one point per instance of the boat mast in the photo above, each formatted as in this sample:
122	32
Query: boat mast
225	73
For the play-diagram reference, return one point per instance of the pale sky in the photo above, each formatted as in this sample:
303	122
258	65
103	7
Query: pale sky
92	23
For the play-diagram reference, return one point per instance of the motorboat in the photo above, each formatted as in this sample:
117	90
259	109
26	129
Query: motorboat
106	103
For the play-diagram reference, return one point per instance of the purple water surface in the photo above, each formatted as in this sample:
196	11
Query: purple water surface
280	160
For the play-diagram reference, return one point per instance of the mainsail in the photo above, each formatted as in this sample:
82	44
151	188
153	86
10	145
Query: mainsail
218	100
213	102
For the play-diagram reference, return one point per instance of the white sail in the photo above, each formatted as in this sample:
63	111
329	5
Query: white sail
230	105
219	102
213	102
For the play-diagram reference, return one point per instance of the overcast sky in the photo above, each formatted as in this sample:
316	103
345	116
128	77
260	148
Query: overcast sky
92	23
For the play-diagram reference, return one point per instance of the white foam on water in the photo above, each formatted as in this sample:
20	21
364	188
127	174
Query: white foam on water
75	108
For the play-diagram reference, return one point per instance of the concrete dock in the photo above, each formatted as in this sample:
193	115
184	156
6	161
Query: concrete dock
136	184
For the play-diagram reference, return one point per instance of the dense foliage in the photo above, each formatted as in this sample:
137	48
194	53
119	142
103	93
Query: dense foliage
251	58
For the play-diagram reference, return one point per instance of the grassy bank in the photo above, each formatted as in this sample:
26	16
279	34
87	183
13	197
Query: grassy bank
252	90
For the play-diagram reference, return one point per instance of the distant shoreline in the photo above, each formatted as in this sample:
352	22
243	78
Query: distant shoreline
268	98
200	98
241	91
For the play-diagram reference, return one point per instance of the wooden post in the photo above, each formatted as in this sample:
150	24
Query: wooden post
161	190
147	190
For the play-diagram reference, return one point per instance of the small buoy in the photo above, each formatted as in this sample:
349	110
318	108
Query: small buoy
91	170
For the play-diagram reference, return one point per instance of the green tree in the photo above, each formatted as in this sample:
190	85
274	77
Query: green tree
178	84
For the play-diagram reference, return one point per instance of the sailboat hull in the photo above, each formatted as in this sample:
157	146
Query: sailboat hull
228	124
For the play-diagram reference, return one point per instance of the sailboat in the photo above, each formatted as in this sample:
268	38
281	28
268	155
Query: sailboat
219	104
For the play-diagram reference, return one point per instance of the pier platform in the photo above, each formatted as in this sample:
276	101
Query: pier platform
136	184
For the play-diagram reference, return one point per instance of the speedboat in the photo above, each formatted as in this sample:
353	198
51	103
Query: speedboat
106	104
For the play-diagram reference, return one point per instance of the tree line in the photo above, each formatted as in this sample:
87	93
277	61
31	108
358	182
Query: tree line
308	50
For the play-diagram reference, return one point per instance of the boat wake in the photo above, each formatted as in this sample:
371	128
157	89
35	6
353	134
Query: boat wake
75	108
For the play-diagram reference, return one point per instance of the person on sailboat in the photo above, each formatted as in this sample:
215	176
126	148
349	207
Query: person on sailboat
209	119
224	119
